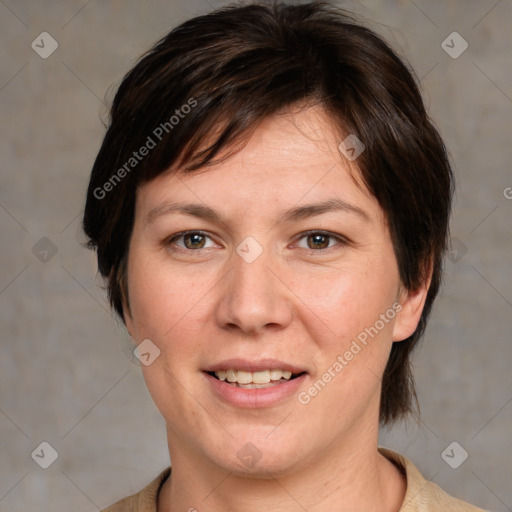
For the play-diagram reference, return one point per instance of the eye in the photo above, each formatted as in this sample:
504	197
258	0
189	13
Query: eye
319	240
191	239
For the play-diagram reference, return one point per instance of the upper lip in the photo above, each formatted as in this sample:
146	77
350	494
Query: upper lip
254	366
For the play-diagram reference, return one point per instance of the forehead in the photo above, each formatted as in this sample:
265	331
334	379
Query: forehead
292	158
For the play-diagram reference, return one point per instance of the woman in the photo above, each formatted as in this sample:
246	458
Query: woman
270	208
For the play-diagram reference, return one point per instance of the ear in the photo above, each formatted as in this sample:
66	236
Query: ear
412	303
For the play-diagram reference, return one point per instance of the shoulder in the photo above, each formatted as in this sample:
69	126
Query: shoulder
143	501
422	495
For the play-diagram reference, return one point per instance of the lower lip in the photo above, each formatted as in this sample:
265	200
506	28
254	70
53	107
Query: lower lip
255	398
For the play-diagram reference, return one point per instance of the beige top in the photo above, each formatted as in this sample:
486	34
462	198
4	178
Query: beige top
420	496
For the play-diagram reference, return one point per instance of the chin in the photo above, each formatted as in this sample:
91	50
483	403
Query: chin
260	457
265	469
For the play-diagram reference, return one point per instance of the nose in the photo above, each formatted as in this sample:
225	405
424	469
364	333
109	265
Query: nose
253	296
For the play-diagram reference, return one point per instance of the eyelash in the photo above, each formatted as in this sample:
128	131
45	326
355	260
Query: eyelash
342	241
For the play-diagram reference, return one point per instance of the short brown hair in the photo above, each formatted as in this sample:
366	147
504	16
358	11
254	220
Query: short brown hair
238	65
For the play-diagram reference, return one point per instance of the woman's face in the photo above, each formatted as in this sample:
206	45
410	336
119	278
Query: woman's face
265	280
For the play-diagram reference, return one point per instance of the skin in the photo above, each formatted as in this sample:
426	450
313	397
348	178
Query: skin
296	302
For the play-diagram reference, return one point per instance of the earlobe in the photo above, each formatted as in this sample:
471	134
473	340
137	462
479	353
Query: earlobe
412	303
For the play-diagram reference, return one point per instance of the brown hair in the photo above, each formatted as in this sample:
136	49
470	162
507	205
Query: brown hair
214	78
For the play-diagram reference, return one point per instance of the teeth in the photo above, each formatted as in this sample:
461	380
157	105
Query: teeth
263	377
242	377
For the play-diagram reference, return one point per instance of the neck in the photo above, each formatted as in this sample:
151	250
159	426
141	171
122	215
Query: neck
343	479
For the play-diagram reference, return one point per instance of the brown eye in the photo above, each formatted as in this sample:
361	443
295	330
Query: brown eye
318	240
194	240
189	240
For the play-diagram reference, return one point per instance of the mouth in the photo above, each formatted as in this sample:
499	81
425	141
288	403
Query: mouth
254	380
253	384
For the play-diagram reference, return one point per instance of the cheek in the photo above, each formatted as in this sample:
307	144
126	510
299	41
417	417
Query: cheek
350	300
166	309
348	375
160	299
170	307
363	323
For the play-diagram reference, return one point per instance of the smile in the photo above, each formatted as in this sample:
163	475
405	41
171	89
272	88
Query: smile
254	380
253	395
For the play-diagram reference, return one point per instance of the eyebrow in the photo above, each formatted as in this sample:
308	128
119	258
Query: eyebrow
294	214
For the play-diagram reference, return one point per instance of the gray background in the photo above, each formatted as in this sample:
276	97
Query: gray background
66	375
